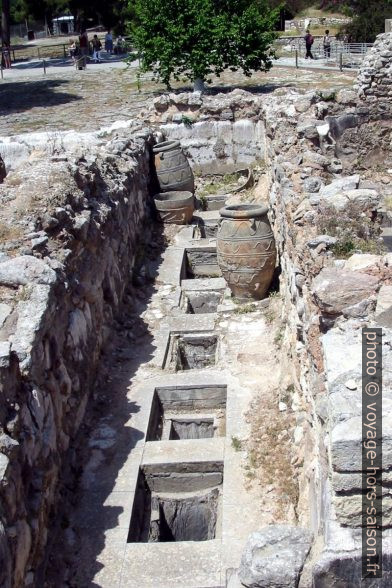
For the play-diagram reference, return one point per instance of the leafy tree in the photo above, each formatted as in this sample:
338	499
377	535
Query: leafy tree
5	21
197	38
110	13
368	19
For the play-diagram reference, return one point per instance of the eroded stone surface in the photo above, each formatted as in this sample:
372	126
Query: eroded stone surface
275	557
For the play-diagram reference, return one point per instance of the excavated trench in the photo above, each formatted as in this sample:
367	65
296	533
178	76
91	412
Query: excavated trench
153	482
175	465
151	421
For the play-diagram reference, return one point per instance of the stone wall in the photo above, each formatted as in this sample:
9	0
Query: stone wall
374	80
311	159
74	224
315	22
71	229
216	141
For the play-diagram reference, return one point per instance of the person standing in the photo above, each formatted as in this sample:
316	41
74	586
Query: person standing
327	44
109	42
6	55
308	44
97	45
83	45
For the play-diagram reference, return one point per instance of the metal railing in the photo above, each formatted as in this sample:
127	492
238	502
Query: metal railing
340	54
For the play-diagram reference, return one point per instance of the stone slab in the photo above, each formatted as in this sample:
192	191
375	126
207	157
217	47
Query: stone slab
200	284
171	565
201	245
192	323
207	215
171	269
187	451
102	511
384	306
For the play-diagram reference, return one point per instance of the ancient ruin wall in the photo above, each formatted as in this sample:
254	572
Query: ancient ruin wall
217	140
64	273
313	150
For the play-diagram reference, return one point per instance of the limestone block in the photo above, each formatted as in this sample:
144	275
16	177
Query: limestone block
346	443
275	557
77	328
336	291
384	306
340	185
26	269
342	352
348	483
362	261
5	311
346	97
31	316
243	131
349	510
4	461
365	198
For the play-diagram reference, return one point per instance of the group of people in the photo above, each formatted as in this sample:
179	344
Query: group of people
81	50
309	40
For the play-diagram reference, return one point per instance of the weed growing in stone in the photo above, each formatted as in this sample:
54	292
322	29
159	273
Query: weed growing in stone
187	121
354	229
269	316
236	443
278	339
244	309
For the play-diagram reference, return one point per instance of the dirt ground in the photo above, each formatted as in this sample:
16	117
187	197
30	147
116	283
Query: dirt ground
90	99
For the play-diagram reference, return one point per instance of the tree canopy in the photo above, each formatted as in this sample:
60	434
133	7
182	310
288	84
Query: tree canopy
196	38
110	13
368	19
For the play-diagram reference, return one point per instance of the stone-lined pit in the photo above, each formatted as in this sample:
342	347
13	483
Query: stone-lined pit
180	503
201	302
190	351
192	413
201	263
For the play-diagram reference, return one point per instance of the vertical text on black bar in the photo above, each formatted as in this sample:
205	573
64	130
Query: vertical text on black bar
372	453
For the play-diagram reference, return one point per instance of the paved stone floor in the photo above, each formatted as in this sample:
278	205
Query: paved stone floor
92	550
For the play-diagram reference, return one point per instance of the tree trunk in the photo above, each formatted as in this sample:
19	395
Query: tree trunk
199	85
5	21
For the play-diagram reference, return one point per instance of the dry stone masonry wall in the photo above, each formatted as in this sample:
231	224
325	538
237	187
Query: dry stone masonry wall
375	76
313	147
76	223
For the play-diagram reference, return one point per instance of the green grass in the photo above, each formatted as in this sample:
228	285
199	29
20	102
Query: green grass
245	309
221	186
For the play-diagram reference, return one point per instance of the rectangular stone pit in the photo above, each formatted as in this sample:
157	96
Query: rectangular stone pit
201	262
193	412
189	351
202	296
177	502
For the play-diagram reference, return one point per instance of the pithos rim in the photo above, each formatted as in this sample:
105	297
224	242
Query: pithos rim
165	146
243	211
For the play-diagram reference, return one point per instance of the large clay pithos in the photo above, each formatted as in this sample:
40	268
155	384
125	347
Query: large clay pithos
175	207
172	167
246	250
